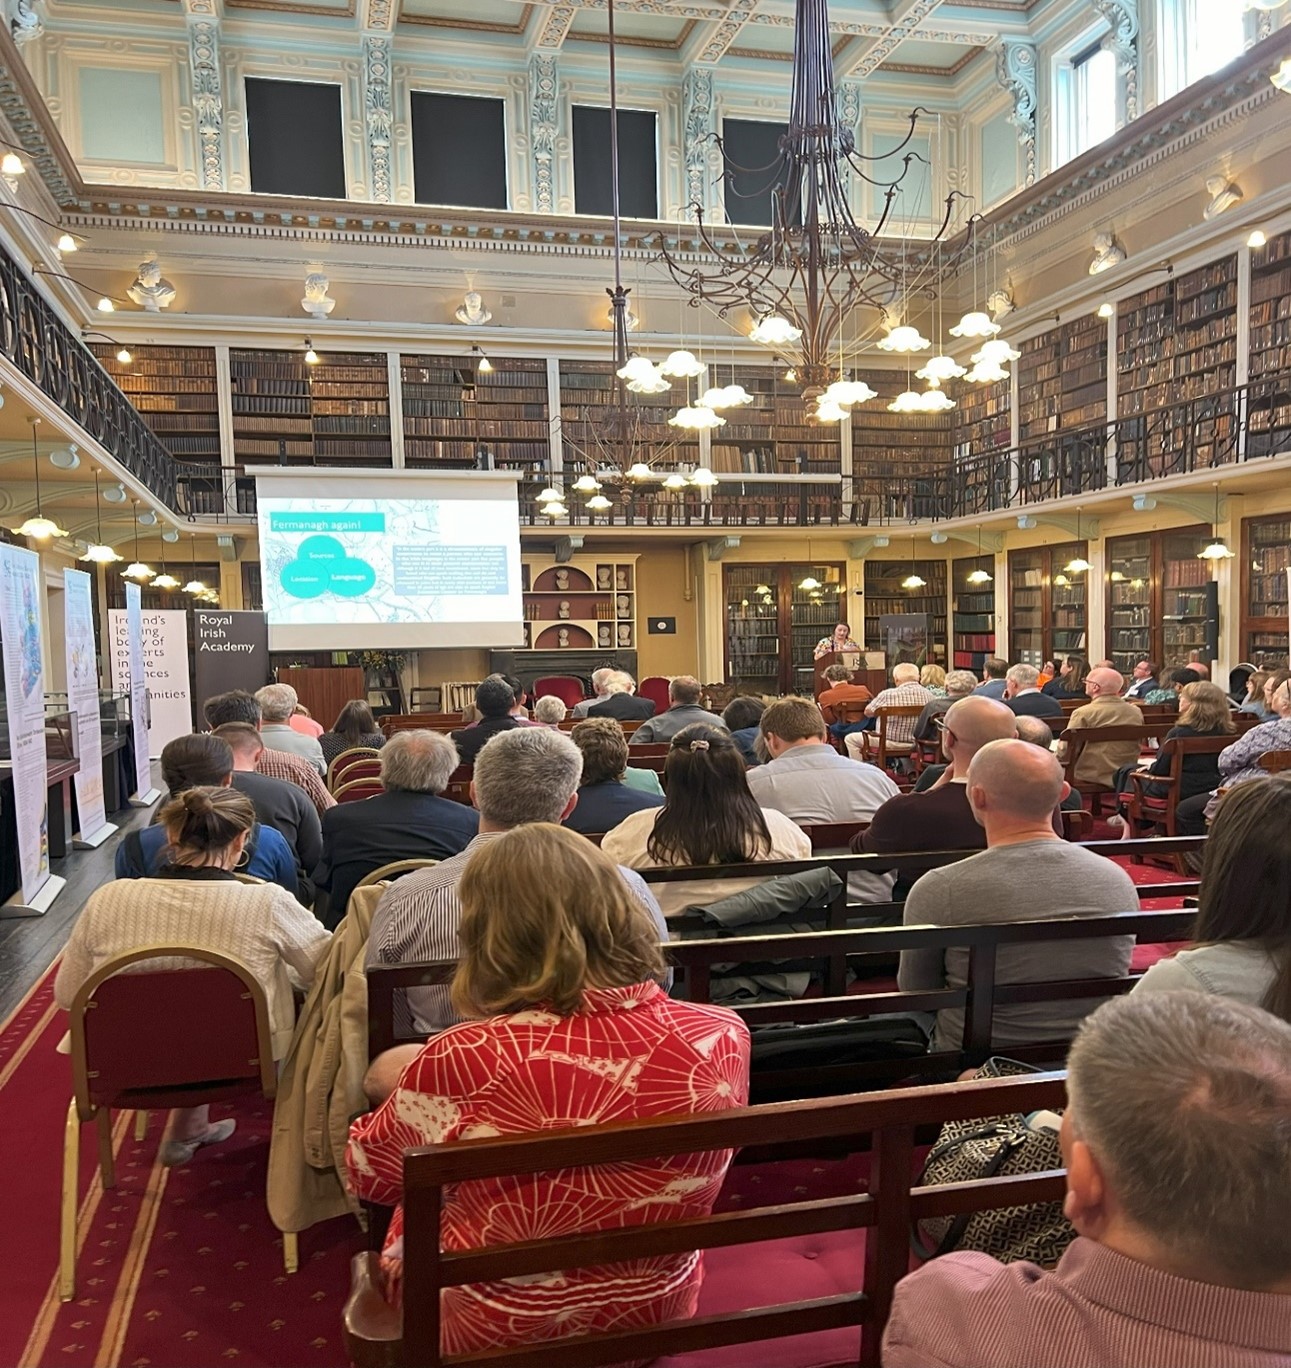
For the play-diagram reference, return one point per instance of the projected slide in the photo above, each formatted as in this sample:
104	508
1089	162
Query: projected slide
340	572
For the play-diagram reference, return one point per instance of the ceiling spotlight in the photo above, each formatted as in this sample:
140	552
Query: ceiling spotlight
483	365
105	305
311	356
11	165
115	494
1106	309
66	243
124	357
1256	239
67	459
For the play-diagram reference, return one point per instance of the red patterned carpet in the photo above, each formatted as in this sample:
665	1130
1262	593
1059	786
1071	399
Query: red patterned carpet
183	1267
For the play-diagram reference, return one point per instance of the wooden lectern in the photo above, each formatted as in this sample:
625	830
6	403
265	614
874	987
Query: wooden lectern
874	680
324	691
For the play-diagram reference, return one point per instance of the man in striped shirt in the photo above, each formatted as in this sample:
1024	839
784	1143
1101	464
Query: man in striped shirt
905	692
239	706
528	774
1178	1152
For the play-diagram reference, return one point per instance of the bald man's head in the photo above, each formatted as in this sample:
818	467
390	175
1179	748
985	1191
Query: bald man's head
1014	780
1104	681
974	722
1035	731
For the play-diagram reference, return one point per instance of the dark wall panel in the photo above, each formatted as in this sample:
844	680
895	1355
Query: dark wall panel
294	138
459	151
751	147
638	162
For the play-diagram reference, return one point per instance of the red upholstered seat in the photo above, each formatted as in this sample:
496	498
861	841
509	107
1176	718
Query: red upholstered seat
655	688
565	687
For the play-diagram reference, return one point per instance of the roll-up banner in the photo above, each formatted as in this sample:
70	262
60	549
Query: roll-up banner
164	633
230	651
144	795
83	700
21	598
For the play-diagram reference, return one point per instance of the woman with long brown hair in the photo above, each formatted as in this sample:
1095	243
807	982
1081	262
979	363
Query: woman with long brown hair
354	726
1242	935
566	1026
708	817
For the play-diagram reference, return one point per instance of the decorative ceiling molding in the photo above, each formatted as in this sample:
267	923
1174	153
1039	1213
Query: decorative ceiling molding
552	28
289	7
471	25
718	43
906	69
906	19
667	44
378	15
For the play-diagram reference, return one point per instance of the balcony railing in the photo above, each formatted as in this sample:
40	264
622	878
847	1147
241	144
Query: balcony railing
48	353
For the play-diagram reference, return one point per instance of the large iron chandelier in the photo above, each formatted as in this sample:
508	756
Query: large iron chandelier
804	279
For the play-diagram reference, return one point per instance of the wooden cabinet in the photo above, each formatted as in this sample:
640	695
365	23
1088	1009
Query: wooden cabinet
1266	556
1159	598
1048	604
775	615
973	605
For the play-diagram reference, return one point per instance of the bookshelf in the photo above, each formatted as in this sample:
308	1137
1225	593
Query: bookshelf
1048	605
889	447
286	412
1179	341
773	624
983	419
1062	378
772	435
174	389
454	413
1270	334
587	395
973	613
579	605
1158	597
1266	555
884	595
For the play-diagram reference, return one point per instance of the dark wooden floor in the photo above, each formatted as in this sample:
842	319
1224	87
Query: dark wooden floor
28	944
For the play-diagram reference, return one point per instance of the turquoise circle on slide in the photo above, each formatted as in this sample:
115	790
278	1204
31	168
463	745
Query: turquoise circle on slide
321	548
304	581
352	577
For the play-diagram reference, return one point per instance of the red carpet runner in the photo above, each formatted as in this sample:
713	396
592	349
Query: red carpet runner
183	1267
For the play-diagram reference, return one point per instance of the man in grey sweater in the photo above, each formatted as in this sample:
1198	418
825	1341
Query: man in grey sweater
684	694
1026	873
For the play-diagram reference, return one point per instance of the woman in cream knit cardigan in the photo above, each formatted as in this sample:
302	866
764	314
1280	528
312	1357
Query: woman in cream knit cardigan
195	899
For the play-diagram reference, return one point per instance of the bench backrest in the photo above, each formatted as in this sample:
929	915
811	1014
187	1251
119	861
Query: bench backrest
887	1120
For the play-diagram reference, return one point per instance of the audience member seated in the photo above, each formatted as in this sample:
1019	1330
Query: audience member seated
933	678
302	720
940	817
195	900
1252	701
1240	762
1275	680
621	701
1099	761
1022	694
529	774
684	693
354	726
549	711
1169	686
598	690
566	1025
1203	711
494	699
904	692
604	800
277	702
741	717
708	817
1242	936
1238	678
1070	680
994	671
278	804
409	821
1142	680
808	781
1013	789
239	706
203	761
1176	1145
959	684
833	701
1038	732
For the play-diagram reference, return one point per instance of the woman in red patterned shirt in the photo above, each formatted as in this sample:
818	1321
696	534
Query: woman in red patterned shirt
570	1028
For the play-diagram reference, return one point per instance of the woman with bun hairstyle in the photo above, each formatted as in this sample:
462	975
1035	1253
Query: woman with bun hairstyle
195	899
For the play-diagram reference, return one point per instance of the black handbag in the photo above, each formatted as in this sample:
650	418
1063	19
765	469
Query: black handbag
995	1147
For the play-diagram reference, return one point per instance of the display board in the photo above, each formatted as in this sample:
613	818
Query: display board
83	700
393	559
136	681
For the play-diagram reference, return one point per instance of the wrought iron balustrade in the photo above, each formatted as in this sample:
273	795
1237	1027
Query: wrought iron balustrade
47	352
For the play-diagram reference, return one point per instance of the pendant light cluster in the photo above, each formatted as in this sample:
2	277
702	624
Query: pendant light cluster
551	500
